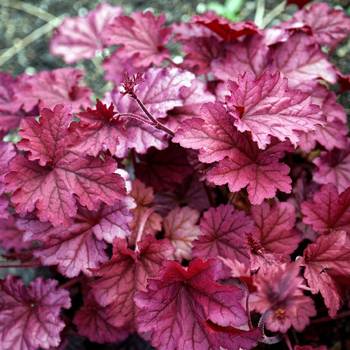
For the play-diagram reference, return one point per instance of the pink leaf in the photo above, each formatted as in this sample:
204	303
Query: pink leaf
333	168
81	37
279	296
126	273
177	304
116	66
200	45
329	26
193	99
12	235
266	107
245	165
181	229
4	214
249	55
328	211
334	130
47	139
187	30
327	257
29	316
99	130
141	35
301	60
144	214
66	178
10	113
49	88
140	137
7	152
8	85
94	322
80	247
162	89
114	221
200	52
260	171
274	233
232	338
222	234
73	250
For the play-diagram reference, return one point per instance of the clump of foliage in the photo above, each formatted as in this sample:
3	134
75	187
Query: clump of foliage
202	203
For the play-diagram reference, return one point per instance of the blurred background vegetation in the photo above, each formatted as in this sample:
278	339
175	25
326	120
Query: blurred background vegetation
26	26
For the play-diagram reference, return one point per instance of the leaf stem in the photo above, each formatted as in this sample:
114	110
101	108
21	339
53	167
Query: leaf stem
275	12
305	288
265	339
288	342
30	9
341	315
71	282
154	121
142	225
135	116
259	13
20	266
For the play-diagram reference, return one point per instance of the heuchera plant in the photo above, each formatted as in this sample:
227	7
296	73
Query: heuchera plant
202	204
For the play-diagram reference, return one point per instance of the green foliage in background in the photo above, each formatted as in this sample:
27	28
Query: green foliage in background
26	27
230	9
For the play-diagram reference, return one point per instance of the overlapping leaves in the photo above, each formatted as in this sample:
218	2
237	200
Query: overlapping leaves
189	194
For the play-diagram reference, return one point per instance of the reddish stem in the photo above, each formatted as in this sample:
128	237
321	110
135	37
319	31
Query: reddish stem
142	225
247	304
154	121
20	266
134	116
341	315
18	255
288	342
305	288
72	282
265	339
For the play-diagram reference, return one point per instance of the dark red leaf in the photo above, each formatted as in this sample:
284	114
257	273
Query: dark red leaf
53	185
81	37
125	274
222	234
328	211
94	322
325	261
226	29
176	305
141	35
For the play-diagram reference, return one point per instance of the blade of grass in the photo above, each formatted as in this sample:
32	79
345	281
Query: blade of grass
275	12
23	43
259	13
28	8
